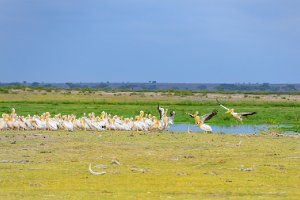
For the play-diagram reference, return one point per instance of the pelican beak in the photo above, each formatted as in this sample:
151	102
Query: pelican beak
229	111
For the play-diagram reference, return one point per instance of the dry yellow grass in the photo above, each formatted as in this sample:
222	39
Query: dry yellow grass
54	165
40	95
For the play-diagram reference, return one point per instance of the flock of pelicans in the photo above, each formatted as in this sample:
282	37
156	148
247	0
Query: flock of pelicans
105	121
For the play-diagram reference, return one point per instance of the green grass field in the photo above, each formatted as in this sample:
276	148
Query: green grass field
269	112
54	165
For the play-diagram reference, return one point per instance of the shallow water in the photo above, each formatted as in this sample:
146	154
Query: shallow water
234	129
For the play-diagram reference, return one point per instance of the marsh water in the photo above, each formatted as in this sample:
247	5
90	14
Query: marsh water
234	129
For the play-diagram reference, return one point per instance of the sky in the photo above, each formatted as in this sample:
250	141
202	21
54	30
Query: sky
178	41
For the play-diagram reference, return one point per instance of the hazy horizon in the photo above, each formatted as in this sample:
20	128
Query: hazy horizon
197	41
43	82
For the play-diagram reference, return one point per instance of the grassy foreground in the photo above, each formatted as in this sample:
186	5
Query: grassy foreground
54	165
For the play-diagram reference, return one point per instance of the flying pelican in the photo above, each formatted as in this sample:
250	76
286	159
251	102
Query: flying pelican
236	115
199	121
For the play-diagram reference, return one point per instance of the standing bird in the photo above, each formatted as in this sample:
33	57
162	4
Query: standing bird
164	119
161	111
199	120
3	122
172	117
236	115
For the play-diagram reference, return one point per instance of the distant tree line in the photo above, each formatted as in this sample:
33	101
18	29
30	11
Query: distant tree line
256	87
154	86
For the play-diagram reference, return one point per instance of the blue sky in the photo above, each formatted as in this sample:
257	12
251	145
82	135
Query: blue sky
220	41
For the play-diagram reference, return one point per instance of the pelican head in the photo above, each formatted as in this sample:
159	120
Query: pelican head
196	114
141	113
172	113
5	116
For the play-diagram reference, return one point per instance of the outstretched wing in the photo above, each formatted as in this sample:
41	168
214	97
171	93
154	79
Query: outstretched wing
191	115
208	116
161	111
244	114
221	105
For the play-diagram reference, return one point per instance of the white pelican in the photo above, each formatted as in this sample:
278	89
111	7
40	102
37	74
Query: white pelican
164	119
199	121
41	124
27	122
22	124
172	117
67	124
77	123
142	122
93	122
87	125
3	122
100	123
236	115
11	121
50	123
157	124
139	124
